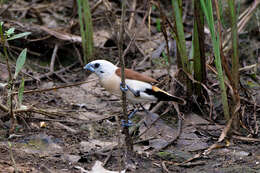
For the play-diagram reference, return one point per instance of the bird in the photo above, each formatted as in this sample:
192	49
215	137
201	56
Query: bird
139	88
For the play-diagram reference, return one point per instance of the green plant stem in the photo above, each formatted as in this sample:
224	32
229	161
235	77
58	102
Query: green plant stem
198	47
223	58
86	29
234	36
180	35
10	82
181	45
235	64
207	9
82	32
3	40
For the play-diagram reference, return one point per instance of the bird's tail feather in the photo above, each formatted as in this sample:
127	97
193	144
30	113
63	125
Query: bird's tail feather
162	95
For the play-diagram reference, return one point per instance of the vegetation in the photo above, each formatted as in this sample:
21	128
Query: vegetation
6	36
196	51
86	29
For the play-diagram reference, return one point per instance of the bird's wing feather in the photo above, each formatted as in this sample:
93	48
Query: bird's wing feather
162	95
130	74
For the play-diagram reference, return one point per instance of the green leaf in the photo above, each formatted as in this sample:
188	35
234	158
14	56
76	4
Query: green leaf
165	58
158	25
20	62
9	32
16	36
20	92
153	7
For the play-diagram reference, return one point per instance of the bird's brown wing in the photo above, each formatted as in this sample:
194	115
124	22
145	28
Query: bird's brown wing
130	74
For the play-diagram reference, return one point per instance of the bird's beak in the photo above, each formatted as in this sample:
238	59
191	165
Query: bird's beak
89	67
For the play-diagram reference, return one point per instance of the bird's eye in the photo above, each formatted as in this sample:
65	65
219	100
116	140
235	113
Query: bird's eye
96	65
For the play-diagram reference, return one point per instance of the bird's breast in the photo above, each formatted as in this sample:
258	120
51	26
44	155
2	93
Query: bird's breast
111	84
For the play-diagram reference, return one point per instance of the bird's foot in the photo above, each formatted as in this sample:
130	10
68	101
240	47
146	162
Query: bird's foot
132	113
123	89
128	124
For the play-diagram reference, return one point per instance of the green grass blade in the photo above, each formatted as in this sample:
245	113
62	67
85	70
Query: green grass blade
82	32
16	36
180	35
88	30
20	62
198	47
20	92
207	9
234	36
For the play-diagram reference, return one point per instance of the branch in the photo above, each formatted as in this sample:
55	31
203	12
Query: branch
128	139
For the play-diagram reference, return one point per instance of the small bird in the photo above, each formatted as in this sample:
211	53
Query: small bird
139	89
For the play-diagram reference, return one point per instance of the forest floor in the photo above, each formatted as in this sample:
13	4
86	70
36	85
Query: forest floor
75	129
83	130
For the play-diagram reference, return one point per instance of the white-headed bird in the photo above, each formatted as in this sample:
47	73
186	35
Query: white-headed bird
139	89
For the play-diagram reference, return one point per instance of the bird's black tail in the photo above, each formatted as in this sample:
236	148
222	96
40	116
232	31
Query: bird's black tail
164	96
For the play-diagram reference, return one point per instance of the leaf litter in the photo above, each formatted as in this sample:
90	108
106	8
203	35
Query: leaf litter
82	129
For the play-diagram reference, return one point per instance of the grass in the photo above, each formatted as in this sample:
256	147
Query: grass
235	63
86	29
198	50
10	33
182	56
215	38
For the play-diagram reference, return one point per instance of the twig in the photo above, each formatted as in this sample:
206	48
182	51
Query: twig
96	6
10	81
12	157
55	88
8	7
122	62
155	108
164	31
256	123
157	119
53	57
180	117
46	75
131	21
108	157
246	138
128	140
165	167
79	55
4	108
129	45
223	58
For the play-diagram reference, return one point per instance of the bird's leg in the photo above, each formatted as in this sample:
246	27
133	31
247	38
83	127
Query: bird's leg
123	89
133	113
146	111
128	124
130	115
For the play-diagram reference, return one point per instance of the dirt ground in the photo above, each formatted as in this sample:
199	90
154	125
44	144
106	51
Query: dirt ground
78	128
84	130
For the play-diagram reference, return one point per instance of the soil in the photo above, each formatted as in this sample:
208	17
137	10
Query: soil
84	130
77	127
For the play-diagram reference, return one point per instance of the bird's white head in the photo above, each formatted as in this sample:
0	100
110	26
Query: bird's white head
102	68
